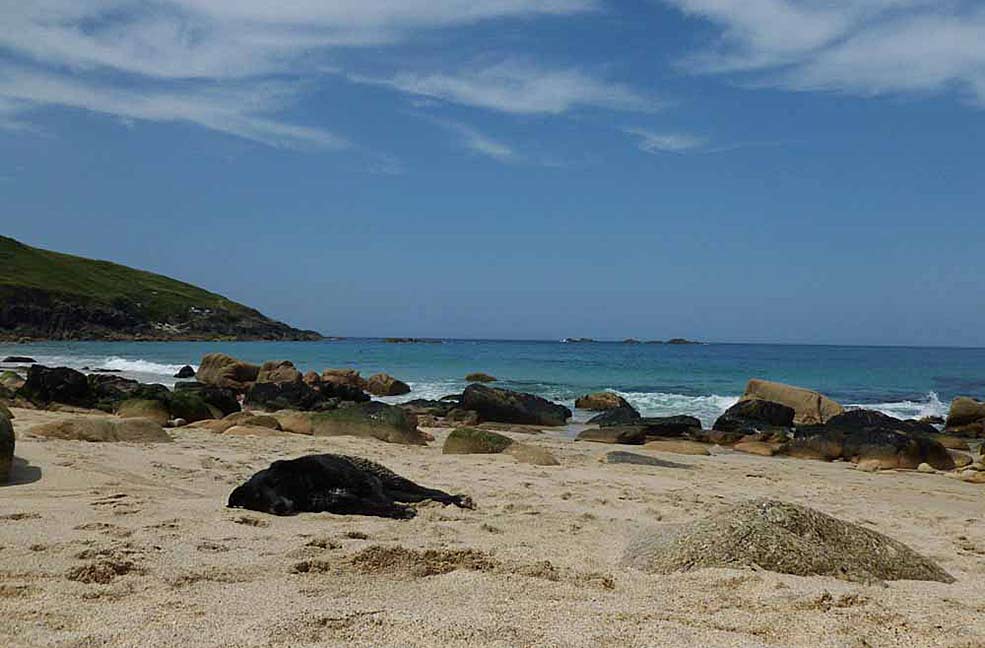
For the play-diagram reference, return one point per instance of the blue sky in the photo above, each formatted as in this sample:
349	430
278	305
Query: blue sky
732	170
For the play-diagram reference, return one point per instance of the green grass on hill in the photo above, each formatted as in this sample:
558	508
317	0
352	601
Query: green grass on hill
103	282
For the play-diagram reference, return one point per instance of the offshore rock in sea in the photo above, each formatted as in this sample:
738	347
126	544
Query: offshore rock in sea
185	372
505	406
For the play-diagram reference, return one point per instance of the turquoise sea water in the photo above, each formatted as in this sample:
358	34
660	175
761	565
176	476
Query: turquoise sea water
701	380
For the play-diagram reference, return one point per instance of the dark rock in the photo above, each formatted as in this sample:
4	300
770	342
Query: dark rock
505	406
220	398
108	390
620	416
623	457
861	419
386	385
755	415
479	377
277	396
668	426
46	385
466	440
965	411
428	407
626	434
185	372
19	360
343	391
190	406
6	448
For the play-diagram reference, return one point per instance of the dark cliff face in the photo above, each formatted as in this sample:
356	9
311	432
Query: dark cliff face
38	314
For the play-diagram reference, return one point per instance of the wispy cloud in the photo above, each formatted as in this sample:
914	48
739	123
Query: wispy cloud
518	87
864	47
651	142
480	143
155	61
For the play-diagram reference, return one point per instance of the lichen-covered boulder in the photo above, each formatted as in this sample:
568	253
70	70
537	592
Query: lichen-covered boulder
226	371
781	537
810	407
86	428
466	440
386	385
505	406
372	420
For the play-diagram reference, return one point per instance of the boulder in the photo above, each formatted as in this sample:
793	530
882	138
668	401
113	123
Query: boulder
761	448
678	446
479	377
372	420
190	406
311	378
226	371
56	385
810	407
668	426
349	377
864	419
530	454
18	360
952	442
342	391
755	415
11	380
256	420
780	537
961	460
221	398
153	410
424	406
279	372
271	396
110	390
185	372
295	422
505	406
964	411
625	434
386	385
134	430
5	411
254	430
622	457
601	401
876	448
7	442
626	415
467	440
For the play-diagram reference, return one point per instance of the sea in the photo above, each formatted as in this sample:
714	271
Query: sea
702	380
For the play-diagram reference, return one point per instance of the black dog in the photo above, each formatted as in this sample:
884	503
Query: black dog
335	484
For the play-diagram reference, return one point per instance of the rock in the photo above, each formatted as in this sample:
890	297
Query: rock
153	410
601	401
465	440
754	414
271	396
191	407
7	442
953	442
374	420
718	437
5	411
818	447
810	407
625	434
424	406
933	419
479	377
254	430
678	447
505	406
18	360
311	378
295	422
864	419
622	457
619	416
510	427
133	430
760	448
278	372
459	416
226	371
386	385
11	380
964	411
185	372
343	392
779	537
107	391
530	454
668	426
221	398
57	385
973	476
257	420
969	430
349	377
961	460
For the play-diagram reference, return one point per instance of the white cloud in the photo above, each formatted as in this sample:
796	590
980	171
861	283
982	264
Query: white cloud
651	142
151	60
518	87
480	143
864	47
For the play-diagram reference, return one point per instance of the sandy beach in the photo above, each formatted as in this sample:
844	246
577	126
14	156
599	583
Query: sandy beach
122	544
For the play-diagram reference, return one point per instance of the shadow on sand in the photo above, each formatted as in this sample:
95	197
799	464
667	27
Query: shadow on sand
22	472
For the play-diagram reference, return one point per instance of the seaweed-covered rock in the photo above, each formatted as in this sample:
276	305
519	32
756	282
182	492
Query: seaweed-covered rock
466	440
11	380
221	398
874	448
57	385
373	420
190	406
226	371
386	385
780	537
505	406
87	428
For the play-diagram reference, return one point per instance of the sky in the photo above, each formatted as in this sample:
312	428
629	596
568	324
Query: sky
725	170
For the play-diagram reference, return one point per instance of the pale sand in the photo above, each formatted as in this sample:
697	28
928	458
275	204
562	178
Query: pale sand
204	575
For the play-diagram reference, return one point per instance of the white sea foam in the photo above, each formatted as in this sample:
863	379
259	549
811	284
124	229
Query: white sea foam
930	406
140	366
707	408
